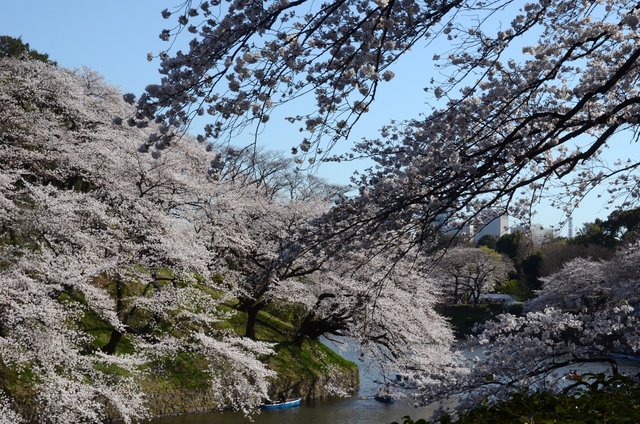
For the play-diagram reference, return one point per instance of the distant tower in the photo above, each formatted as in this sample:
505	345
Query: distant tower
570	227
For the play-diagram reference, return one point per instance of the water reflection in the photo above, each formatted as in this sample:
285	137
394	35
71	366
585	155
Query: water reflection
352	410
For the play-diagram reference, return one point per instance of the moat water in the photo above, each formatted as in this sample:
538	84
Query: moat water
360	409
333	411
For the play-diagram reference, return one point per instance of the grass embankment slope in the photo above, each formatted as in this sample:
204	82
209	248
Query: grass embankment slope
311	361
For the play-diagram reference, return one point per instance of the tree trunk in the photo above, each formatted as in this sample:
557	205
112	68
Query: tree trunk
304	330
116	336
252	318
114	341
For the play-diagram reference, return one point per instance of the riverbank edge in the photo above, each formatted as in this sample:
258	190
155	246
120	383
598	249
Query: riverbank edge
193	401
322	376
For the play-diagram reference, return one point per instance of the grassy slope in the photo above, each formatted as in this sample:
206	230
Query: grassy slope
308	362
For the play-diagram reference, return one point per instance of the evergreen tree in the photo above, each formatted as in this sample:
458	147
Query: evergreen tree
15	47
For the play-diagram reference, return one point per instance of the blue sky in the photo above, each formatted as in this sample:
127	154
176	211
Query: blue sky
113	37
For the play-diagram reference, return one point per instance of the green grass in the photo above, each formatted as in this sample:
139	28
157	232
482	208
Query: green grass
309	361
187	370
20	385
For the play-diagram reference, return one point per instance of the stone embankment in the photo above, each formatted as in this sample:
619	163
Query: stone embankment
191	401
346	382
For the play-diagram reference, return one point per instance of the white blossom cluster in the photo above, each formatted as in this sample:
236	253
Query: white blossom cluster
248	57
508	123
391	306
339	290
523	123
584	284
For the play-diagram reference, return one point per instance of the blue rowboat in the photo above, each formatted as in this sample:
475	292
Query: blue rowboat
289	403
385	399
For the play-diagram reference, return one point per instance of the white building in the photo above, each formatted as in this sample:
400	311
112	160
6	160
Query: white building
496	298
498	227
540	235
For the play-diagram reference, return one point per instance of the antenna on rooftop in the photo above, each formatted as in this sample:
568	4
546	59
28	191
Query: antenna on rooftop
570	227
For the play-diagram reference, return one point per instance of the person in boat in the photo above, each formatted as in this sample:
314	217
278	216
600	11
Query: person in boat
573	375
281	397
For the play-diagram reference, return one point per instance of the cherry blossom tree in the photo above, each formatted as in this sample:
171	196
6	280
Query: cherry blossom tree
589	284
536	350
257	53
623	275
396	324
336	291
386	308
471	272
85	219
267	261
52	235
520	108
579	284
263	204
507	123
